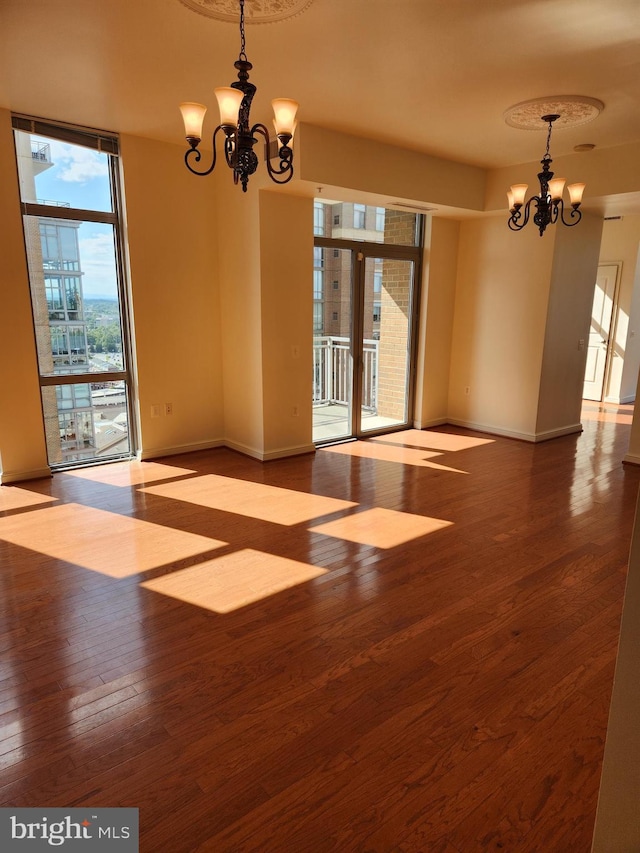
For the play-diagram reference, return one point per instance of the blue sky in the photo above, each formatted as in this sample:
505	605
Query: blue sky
80	177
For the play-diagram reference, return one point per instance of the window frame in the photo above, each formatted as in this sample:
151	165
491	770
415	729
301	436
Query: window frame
107	143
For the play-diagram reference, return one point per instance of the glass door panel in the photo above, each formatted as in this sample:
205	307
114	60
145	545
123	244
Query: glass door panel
332	344
386	339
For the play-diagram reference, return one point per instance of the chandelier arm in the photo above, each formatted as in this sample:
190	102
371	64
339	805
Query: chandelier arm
575	214
194	154
521	213
284	174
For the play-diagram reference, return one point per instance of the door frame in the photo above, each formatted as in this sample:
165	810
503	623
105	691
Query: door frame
611	331
360	252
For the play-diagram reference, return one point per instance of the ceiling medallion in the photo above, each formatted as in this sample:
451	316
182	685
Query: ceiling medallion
258	11
572	110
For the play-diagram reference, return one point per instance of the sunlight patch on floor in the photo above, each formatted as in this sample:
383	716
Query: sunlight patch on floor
381	528
130	473
234	580
388	453
13	497
433	440
253	500
105	542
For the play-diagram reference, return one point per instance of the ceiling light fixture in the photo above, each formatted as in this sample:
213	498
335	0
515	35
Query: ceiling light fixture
549	203
239	135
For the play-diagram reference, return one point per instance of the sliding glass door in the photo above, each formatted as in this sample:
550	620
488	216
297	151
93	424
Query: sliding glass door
364	295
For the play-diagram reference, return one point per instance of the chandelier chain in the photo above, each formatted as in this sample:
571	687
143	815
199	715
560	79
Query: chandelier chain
243	44
546	155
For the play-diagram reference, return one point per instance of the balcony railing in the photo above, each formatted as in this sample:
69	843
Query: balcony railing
332	372
54	203
41	151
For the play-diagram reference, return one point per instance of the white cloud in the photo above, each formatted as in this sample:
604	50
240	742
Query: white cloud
77	164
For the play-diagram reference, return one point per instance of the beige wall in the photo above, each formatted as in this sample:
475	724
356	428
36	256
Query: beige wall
287	320
340	160
501	304
22	446
239	241
575	264
436	322
173	248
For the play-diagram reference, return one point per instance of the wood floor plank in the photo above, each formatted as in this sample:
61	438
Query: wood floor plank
443	691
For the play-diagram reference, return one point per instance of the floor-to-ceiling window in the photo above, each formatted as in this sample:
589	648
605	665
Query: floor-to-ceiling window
366	262
69	188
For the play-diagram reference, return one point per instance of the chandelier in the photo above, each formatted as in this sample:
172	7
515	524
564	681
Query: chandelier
549	204
240	136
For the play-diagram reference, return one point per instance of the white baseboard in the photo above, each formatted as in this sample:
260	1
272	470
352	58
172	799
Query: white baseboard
18	476
175	450
285	452
433	422
572	429
631	459
533	437
261	456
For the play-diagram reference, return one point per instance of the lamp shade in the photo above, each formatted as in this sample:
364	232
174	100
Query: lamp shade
510	199
229	101
556	188
285	116
193	118
518	192
575	193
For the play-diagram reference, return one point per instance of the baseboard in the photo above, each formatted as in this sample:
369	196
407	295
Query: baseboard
631	459
285	452
433	422
572	429
261	456
18	476
533	437
630	398
175	450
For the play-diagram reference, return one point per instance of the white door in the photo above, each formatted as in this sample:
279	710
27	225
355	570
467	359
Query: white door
600	334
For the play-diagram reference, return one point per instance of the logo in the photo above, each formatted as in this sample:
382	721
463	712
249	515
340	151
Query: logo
26	830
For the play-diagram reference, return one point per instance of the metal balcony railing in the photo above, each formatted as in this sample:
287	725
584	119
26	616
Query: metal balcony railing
332	372
41	151
51	203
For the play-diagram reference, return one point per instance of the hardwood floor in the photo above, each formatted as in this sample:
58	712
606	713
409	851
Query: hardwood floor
405	644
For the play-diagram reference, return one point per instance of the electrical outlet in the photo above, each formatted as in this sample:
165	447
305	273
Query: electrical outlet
467	390
295	411
168	408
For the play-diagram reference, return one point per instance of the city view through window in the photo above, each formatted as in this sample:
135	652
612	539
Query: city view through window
71	241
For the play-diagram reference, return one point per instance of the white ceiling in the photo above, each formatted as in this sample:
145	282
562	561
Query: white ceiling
431	75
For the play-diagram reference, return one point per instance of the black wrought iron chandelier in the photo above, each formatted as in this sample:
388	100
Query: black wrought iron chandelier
240	136
549	204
